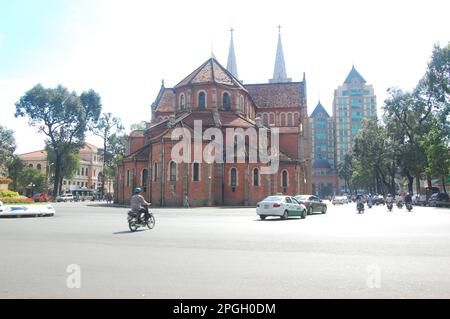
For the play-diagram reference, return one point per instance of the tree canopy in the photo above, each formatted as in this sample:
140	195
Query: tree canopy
63	116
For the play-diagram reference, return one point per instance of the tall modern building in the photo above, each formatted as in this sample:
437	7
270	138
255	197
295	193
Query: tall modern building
354	101
321	125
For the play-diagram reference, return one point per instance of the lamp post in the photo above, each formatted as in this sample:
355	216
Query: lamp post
32	189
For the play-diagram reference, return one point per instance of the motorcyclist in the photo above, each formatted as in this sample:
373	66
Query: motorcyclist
408	198
358	201
389	199
369	200
139	205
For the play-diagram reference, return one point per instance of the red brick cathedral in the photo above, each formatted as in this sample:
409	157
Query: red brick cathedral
215	96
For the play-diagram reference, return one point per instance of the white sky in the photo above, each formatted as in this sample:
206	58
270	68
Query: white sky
122	49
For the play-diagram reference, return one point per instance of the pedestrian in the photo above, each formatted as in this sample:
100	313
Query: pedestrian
186	201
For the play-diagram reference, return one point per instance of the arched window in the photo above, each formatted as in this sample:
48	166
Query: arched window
266	119
182	101
272	118
285	180
172	171
233	177
255	177
39	167
202	100
82	171
155	172
30	166
144	179
128	178
241	103
283	119
196	172
289	120
226	101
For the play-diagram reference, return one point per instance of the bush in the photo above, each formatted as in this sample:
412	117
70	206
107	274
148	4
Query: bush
8	194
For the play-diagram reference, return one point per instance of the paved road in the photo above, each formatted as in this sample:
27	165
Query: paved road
227	253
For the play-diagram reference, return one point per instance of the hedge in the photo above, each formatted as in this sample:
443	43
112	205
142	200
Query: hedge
16	201
8	194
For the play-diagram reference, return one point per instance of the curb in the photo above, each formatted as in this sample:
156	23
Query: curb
9	216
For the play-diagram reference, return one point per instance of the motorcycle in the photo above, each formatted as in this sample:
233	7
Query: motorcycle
369	204
360	208
389	206
400	205
409	206
134	223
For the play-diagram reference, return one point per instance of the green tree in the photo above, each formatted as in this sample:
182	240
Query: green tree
345	171
374	158
106	126
70	164
31	176
62	116
138	126
438	155
407	116
15	168
116	153
7	147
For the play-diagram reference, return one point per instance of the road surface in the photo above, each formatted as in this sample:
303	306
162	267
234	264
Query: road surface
88	252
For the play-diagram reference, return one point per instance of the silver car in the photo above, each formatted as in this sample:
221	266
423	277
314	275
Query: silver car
281	206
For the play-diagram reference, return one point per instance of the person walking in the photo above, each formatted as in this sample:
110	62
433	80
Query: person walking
186	201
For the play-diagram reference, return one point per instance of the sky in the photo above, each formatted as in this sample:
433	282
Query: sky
124	48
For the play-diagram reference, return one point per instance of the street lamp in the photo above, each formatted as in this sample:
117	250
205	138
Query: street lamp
32	189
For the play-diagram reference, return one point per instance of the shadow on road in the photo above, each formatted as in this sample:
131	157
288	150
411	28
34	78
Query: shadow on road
129	232
276	220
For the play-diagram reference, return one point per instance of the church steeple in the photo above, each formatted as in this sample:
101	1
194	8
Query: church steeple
279	73
231	65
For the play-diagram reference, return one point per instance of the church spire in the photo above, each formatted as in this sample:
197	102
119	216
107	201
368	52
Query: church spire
279	73
231	65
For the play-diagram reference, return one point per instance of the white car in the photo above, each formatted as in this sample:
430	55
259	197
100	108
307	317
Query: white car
281	206
65	198
340	200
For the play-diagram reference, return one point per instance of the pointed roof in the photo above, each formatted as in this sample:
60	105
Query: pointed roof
279	73
211	72
354	75
319	109
231	65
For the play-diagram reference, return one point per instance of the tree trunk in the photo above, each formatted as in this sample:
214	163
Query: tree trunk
57	174
60	183
443	183
410	182
103	167
418	189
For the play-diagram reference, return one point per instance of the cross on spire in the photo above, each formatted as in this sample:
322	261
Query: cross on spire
231	30
279	28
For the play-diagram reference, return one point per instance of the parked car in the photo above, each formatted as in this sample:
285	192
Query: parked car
419	199
40	198
65	198
279	205
339	200
312	203
378	200
439	200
